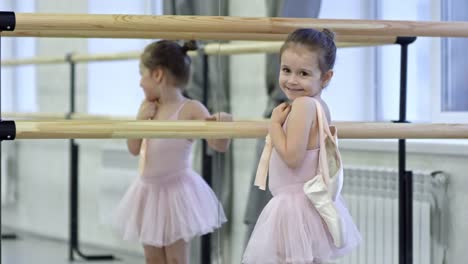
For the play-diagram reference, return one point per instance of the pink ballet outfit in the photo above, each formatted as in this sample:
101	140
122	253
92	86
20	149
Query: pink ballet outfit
168	201
289	229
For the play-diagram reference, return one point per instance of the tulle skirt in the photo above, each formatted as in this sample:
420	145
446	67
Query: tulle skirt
160	212
290	230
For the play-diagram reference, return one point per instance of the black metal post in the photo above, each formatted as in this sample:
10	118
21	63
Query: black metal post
405	177
74	244
7	128
206	162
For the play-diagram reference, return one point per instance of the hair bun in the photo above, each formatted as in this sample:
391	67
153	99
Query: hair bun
189	45
330	34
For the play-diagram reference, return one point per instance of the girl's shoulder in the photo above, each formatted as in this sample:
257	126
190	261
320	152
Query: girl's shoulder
194	103
304	103
308	105
194	106
193	109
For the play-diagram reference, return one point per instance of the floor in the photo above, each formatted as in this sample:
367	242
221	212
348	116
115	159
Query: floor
27	249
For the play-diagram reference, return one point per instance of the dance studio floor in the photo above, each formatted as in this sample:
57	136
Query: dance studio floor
28	249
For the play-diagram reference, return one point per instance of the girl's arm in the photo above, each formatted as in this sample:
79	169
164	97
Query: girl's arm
292	145
199	112
134	146
147	111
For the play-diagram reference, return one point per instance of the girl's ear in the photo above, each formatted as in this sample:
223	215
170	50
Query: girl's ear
157	75
326	78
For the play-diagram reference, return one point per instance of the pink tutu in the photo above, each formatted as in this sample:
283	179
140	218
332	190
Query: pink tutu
159	212
290	230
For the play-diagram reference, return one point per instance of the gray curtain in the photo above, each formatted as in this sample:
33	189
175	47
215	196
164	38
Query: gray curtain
218	100
281	8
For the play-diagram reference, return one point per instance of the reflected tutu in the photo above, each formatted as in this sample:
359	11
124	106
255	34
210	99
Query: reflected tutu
160	213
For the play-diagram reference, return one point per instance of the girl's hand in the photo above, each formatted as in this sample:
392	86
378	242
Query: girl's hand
222	116
147	110
280	113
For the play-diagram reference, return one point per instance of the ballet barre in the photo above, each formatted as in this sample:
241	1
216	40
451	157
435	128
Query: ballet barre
194	27
208	49
135	34
93	129
60	116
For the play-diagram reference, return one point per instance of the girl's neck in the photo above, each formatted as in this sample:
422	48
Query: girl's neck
170	95
317	96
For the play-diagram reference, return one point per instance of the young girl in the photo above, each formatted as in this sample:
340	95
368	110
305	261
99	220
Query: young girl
169	203
289	229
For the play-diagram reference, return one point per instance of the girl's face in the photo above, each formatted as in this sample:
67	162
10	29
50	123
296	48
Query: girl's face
149	83
300	74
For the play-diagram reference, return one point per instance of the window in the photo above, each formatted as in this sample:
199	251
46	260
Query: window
116	81
419	65
351	94
455	85
455	74
18	82
451	99
7	75
366	85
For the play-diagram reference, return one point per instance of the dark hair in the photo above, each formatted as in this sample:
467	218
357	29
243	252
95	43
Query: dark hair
171	56
321	41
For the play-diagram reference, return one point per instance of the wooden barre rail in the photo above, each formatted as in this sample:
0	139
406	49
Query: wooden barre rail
132	34
232	25
61	129
60	116
209	49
